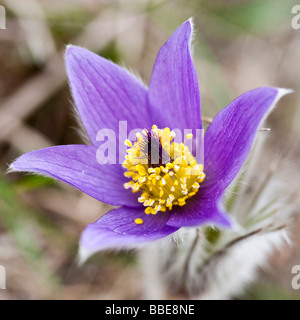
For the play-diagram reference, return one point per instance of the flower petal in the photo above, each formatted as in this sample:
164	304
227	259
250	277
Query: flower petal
229	138
227	143
205	208
78	166
117	230
105	93
174	96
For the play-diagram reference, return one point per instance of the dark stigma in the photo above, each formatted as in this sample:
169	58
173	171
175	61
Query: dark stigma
152	149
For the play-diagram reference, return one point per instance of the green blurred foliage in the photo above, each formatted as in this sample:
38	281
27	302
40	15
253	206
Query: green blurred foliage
268	291
238	17
20	222
66	25
30	182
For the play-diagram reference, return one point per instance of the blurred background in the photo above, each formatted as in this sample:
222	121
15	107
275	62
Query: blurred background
239	45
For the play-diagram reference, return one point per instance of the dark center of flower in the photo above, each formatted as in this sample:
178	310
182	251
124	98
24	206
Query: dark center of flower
151	148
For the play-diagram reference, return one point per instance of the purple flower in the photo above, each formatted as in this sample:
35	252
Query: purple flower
105	94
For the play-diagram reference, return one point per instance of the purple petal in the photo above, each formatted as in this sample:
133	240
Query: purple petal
105	93
229	138
77	165
117	230
205	208
227	143
174	96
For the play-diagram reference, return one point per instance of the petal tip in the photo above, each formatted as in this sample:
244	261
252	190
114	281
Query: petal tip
83	255
282	92
15	165
11	169
188	26
71	51
19	164
189	22
71	47
185	29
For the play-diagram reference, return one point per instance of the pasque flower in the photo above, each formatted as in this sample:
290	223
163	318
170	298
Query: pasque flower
166	196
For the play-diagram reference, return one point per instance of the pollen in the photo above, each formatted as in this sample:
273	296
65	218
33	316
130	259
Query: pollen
165	172
139	221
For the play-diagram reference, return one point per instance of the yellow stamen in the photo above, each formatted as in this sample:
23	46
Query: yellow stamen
163	185
139	221
128	143
189	136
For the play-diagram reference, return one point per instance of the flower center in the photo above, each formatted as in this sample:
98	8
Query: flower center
166	172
